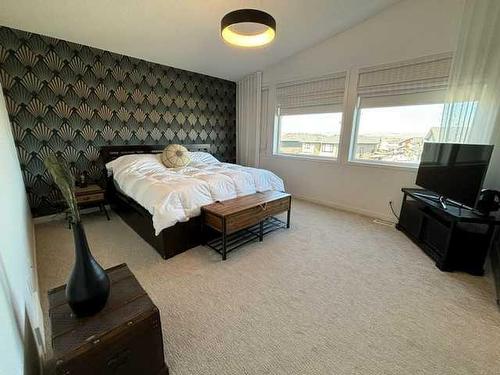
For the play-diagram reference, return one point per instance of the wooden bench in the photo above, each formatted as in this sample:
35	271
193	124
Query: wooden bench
242	213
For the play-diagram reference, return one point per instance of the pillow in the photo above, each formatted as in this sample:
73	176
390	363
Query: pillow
125	161
203	157
175	156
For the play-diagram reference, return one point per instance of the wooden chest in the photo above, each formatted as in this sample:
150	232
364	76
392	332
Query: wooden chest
124	338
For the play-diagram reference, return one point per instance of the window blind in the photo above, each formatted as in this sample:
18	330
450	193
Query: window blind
425	74
427	97
312	96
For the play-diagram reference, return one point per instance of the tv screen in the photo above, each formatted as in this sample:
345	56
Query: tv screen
454	171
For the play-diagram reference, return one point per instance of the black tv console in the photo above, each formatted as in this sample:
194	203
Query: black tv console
456	238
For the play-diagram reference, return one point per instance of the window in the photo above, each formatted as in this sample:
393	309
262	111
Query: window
396	134
400	106
308	148
310	134
309	117
327	147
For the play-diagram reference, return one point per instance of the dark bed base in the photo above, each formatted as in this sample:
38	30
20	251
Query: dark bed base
171	241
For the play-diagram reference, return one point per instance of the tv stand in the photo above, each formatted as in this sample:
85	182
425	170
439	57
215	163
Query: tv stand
454	236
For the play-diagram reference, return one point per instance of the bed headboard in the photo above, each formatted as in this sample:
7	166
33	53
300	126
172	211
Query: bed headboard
109	153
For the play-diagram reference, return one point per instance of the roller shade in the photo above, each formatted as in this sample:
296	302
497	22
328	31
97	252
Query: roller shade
426	74
313	96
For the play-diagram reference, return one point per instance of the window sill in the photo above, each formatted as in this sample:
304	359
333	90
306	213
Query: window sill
400	167
306	158
354	163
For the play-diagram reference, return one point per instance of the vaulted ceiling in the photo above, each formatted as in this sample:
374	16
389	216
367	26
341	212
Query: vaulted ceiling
185	33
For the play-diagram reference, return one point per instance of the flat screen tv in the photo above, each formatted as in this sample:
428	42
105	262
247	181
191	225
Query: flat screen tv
454	171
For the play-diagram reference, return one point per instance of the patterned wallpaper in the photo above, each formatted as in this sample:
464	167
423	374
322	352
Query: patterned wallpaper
72	99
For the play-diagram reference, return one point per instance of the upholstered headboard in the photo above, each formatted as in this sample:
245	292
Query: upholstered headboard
109	153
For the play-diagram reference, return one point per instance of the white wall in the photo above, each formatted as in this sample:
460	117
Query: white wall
19	302
406	30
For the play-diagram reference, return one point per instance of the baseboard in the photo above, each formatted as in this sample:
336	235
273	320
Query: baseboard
337	206
62	215
48	218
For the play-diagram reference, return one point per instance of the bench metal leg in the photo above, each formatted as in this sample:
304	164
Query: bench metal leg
261	231
288	218
224	240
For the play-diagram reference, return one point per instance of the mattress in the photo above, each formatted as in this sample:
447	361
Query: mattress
173	195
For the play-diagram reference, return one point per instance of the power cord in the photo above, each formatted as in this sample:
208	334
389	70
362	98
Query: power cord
392	209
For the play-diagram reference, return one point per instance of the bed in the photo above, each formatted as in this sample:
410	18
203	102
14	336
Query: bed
163	205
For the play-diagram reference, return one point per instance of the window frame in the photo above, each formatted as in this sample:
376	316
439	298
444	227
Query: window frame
277	138
352	160
354	88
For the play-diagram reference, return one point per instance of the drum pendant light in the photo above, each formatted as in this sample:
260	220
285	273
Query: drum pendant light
248	28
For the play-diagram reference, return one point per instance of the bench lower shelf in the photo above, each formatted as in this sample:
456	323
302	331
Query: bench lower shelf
247	235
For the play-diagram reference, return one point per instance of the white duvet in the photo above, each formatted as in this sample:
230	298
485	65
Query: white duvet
172	195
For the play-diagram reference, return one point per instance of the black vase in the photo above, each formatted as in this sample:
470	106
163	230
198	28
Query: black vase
88	286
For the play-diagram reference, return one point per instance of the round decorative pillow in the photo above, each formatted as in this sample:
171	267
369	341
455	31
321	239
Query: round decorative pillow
175	156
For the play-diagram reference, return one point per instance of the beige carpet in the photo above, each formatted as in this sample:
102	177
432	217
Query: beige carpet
335	294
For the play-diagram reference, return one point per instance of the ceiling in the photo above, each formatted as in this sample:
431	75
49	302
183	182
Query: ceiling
185	33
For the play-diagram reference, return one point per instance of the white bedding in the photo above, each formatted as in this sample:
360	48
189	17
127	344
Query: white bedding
172	195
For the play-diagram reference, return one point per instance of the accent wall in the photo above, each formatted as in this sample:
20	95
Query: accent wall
72	99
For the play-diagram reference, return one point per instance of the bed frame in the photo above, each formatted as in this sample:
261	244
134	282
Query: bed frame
171	241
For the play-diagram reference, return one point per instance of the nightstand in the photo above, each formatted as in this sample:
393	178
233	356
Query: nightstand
91	196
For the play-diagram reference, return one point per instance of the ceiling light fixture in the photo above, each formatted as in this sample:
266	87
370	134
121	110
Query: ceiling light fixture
248	28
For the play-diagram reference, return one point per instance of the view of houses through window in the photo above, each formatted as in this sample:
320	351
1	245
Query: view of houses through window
396	134
314	134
